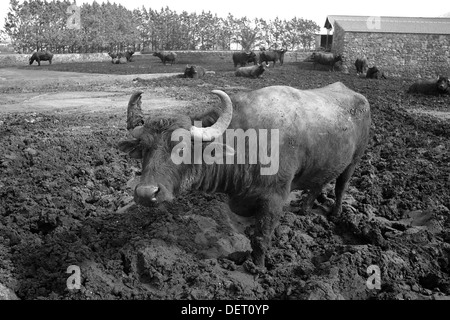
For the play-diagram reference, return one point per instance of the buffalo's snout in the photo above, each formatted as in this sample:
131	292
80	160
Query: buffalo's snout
146	194
442	84
151	194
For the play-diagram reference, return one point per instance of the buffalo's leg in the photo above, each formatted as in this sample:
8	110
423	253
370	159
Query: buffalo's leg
341	186
310	198
266	219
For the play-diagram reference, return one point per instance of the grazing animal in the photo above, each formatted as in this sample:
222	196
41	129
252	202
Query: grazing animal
315	136
431	87
195	72
375	73
166	56
251	72
361	65
325	58
41	56
117	55
275	55
244	57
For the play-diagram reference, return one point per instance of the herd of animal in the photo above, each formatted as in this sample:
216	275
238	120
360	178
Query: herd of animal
362	69
438	86
121	57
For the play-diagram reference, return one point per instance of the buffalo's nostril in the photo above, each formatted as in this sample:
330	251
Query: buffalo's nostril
147	192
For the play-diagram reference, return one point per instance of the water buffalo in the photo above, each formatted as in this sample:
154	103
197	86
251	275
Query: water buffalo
195	72
315	136
128	54
325	58
251	72
166	56
431	87
121	60
244	57
275	55
375	73
41	56
117	55
361	65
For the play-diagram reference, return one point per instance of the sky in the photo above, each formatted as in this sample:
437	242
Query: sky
284	9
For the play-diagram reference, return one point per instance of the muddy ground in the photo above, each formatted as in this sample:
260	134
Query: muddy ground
66	197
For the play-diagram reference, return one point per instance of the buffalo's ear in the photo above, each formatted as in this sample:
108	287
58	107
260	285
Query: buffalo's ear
132	147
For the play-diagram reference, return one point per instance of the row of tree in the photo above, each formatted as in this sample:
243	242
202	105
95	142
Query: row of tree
38	24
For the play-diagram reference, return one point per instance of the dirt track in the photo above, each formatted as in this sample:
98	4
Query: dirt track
112	100
66	199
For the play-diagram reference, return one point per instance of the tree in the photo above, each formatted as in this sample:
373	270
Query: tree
278	30
205	30
248	34
39	24
225	32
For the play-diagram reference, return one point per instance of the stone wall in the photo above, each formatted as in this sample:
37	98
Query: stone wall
398	54
21	59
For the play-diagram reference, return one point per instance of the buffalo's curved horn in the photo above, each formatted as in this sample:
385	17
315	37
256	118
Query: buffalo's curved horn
135	117
218	128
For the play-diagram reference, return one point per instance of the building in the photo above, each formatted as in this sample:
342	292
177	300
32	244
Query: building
323	42
401	46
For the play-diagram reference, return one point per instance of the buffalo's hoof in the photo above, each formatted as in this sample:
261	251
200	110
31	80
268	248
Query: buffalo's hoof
253	268
336	215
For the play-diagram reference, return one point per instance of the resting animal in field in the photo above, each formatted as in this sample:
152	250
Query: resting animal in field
251	72
361	65
195	72
431	87
121	60
375	73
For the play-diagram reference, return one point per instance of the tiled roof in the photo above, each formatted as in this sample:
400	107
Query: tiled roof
390	24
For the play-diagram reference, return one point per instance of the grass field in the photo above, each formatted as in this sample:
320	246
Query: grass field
142	64
147	63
